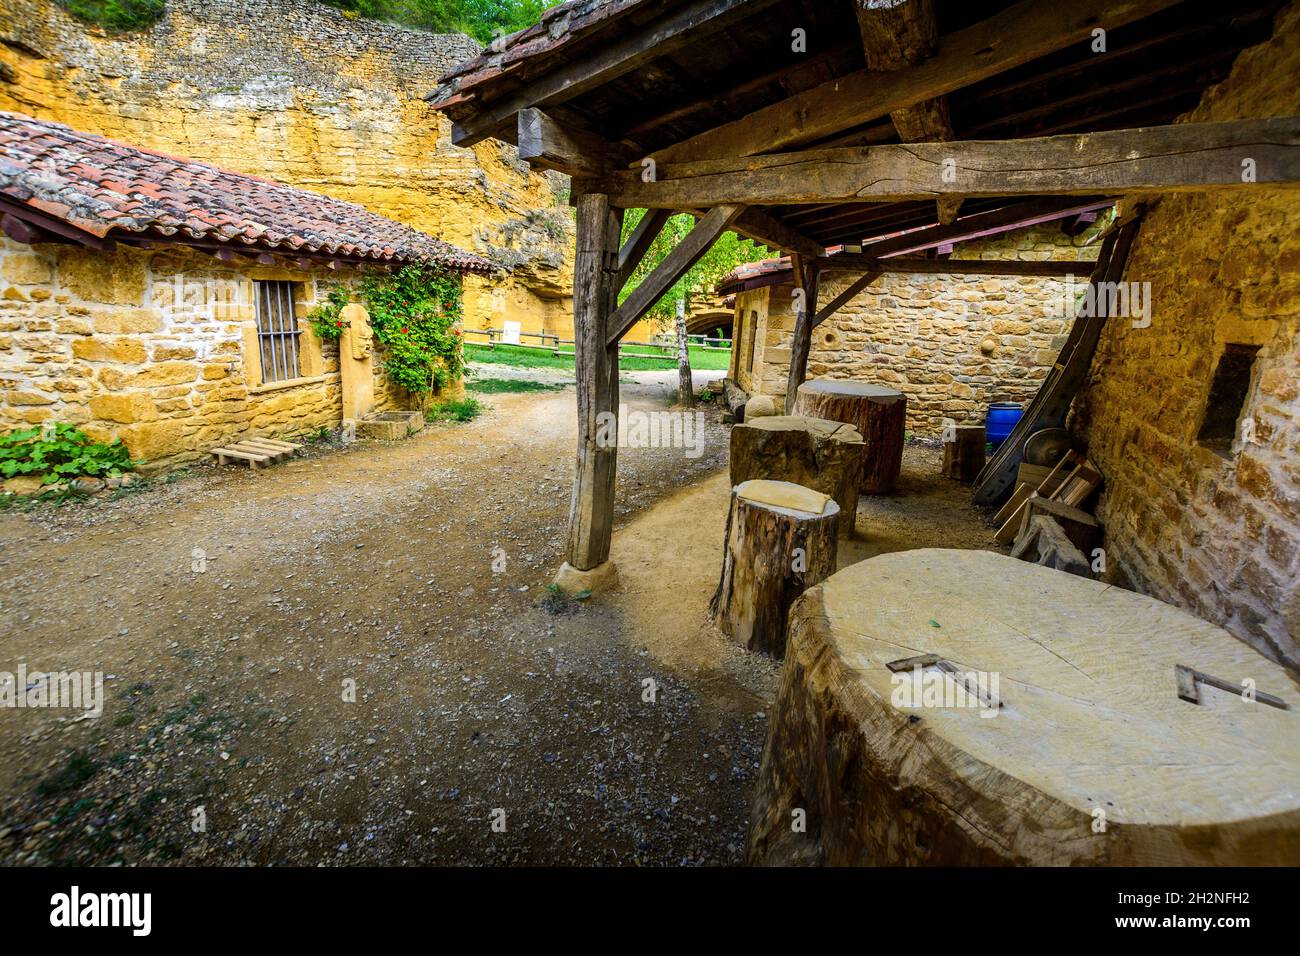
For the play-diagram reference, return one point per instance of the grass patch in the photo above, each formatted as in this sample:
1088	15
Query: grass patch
499	386
456	410
119	16
701	360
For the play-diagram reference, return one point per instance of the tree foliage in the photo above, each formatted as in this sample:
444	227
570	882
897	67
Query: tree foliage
119	16
728	252
481	19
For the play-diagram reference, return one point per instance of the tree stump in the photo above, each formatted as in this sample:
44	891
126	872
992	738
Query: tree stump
1090	757
780	540
963	451
878	413
818	454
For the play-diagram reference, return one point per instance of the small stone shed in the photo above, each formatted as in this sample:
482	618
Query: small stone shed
164	301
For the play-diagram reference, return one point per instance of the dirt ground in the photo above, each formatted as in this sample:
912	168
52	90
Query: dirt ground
480	699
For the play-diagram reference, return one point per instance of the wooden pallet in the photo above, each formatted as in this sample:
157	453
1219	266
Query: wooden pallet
255	451
1069	483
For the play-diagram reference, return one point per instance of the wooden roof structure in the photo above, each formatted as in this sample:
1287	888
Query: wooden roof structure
807	124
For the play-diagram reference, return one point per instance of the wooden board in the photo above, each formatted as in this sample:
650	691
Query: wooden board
1090	720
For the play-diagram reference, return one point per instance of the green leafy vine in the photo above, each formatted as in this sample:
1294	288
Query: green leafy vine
415	314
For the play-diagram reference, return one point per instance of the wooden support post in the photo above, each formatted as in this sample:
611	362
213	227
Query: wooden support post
806	279
591	509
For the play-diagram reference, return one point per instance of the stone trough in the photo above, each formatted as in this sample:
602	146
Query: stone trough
390	426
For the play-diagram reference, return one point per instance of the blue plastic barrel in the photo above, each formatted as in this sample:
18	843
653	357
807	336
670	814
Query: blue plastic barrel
1001	420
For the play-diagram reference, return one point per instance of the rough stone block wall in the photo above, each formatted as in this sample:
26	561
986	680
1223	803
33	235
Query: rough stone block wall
300	93
1217	535
149	347
951	344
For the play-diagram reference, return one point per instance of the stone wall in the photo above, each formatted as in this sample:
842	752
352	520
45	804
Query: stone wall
153	347
951	344
300	93
1217	533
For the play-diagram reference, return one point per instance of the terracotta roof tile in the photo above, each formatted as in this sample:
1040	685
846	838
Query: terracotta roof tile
102	187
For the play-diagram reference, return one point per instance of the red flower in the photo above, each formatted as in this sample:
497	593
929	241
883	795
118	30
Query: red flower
405	330
340	324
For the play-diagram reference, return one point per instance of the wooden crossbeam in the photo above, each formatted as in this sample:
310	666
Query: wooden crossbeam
687	252
850	262
759	226
983	224
844	297
1021	33
634	250
548	144
1183	157
659	38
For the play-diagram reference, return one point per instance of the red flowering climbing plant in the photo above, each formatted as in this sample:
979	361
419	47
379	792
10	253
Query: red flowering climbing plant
414	313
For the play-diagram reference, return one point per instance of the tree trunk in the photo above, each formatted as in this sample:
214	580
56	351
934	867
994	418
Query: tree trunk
821	455
963	451
685	389
1090	759
878	413
776	546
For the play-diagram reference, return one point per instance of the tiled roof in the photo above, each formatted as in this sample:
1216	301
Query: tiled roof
754	275
106	189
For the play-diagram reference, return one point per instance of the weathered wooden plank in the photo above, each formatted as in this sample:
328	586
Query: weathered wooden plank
844	297
808	280
759	226
897	34
979	225
852	262
547	144
1182	157
609	61
591	508
634	250
684	255
1019	34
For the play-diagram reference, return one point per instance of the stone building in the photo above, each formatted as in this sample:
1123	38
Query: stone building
164	301
303	94
951	344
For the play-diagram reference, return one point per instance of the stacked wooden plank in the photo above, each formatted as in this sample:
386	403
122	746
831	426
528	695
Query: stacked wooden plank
255	451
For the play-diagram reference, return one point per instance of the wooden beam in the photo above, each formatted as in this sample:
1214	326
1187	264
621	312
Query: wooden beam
1183	157
982	224
687	252
759	226
844	297
686	24
1019	34
808	279
897	34
591	508
851	262
634	250
547	144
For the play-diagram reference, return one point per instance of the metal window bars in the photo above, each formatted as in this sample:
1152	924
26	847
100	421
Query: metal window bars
277	331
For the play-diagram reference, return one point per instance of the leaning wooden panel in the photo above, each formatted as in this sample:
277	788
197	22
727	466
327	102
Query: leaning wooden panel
1091	730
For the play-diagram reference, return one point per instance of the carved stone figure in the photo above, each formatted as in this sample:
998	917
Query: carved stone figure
362	336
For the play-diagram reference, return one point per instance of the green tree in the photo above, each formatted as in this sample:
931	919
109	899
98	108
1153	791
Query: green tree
728	252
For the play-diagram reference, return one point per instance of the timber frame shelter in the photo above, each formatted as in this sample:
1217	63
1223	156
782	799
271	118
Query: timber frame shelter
887	127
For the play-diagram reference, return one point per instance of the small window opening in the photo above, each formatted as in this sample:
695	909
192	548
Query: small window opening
277	331
1229	393
753	336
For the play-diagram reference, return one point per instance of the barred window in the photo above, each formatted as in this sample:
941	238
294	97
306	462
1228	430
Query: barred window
277	331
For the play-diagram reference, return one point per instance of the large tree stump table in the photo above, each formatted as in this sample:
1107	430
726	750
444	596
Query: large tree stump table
1091	758
878	413
818	454
780	540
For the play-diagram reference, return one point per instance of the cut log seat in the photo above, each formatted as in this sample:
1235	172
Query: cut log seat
780	539
818	454
1091	758
878	413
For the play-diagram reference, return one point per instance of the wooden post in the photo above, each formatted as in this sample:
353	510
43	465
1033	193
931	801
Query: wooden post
805	279
685	388
963	451
595	270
